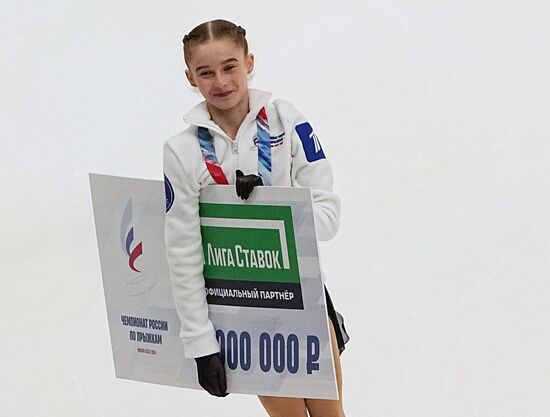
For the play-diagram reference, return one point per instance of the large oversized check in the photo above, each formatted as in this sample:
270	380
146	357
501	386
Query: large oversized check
263	286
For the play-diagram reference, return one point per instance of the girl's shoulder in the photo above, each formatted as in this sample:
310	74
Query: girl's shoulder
183	138
287	112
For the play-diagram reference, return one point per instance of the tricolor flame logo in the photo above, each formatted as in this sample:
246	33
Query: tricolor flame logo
133	251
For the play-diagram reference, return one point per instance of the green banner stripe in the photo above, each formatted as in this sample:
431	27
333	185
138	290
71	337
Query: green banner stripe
257	212
251	254
239	211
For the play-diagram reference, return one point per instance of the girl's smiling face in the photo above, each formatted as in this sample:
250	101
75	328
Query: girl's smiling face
219	69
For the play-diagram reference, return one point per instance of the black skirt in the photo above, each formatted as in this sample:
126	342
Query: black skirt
337	320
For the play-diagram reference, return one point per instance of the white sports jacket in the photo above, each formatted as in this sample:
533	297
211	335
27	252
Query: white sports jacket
297	160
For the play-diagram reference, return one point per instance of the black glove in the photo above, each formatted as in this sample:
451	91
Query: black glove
212	374
245	184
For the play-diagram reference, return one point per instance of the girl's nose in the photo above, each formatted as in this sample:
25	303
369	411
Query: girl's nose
221	79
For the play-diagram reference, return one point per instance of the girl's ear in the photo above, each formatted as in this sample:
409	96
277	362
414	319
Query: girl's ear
249	63
190	78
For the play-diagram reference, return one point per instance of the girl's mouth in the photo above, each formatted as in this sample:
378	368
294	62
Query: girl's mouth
222	95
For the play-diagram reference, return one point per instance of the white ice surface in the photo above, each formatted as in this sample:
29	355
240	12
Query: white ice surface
435	116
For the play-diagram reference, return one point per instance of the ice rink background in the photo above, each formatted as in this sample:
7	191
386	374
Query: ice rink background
435	116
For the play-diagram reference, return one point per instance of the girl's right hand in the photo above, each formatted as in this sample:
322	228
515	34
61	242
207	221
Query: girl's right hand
246	183
212	374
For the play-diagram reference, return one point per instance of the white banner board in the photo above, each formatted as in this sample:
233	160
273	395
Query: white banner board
263	283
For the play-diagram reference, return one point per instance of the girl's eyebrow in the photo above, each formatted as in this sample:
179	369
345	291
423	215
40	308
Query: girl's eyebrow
223	62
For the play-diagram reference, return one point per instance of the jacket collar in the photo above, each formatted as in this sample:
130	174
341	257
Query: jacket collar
200	116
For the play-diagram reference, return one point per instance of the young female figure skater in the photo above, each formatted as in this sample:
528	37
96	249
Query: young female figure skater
237	130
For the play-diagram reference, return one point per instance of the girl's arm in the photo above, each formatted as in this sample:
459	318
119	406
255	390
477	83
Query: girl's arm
185	259
311	168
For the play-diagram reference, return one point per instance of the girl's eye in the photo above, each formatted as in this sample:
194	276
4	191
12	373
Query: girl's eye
230	67
205	73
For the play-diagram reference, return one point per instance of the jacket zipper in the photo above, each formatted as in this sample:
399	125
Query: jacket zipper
235	156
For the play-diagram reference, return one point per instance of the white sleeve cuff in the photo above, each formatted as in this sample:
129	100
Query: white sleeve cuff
203	345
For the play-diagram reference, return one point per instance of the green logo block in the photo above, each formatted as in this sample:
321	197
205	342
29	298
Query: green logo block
249	243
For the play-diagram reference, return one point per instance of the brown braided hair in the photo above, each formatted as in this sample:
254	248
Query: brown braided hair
214	29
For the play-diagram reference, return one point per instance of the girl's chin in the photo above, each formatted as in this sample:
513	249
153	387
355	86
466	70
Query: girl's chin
222	105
